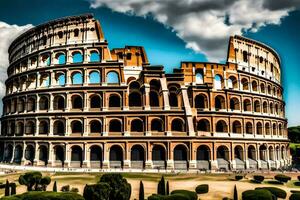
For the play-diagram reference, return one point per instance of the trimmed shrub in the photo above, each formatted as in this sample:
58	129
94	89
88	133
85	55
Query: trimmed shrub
191	195
65	188
38	195
120	188
282	178
295	196
73	189
99	191
31	179
235	193
6	191
279	193
295	191
54	187
239	177
45	181
161	187
141	192
297	183
166	197
275	182
298	178
13	189
202	189
258	178
167	188
257	195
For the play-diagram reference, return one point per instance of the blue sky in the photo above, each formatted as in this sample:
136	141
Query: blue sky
166	40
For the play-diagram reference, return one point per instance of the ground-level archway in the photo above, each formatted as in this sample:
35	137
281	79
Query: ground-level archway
116	159
159	157
203	157
181	157
137	157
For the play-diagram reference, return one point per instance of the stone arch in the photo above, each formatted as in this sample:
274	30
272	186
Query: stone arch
263	152
201	101
203	125
77	56
245	84
239	157
77	102
223	157
267	127
94	77
59	154
30	153
137	156
249	128
234	103
254	86
274	129
247	105
95	101
157	125
18	154
115	100
259	128
135	95
232	82
44	127
116	158
178	125
112	77
115	125
262	88
181	156
236	127
59	128
31	104
76	156
59	102
43	154
257	106
221	126
155	97
159	155
251	153
203	157
218	81
77	77
30	128
219	102
96	126
44	103
20	129
77	126
96	156
137	125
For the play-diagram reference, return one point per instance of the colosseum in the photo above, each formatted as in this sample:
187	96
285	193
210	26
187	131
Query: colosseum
71	102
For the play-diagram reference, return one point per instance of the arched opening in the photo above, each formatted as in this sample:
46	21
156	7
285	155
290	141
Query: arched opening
157	125
200	101
203	125
256	106
173	99
59	155
20	129
137	157
239	158
77	78
274	129
203	157
61	79
232	82
76	127
31	104
43	155
95	101
21	105
245	84
30	128
18	154
95	56
199	77
29	154
94	77
112	77
59	128
263	156
177	125
159	157
247	105
135	99
96	156
95	127
44	127
219	102
271	157
259	128
77	102
262	88
137	125
155	89
265	107
44	103
116	157
61	58
249	128
271	108
223	157
115	125
218	82
269	90
254	86
236	127
252	157
283	153
280	129
234	104
76	156
180	157
221	127
59	103
77	57
8	153
245	56
114	101
267	126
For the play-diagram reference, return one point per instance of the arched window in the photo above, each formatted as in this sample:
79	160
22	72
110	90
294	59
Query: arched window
59	128
46	60
236	127
44	103
154	99
59	103
44	127
114	101
269	90
258	128
262	88
77	78
112	77
221	126
30	128
271	108
265	107
256	106
218	82
95	57
249	129
95	127
76	32
77	57
245	56
60	34
94	77
77	102
135	99
254	86
267	126
177	125
77	127
245	84
274	129
247	105
45	80
115	126
157	125
137	125
95	101
219	102
61	59
61	80
200	101
234	104
203	125
199	78
232	82
173	98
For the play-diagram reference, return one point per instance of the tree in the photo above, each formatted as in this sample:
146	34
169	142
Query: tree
141	193
54	187
99	191
235	193
45	181
161	188
167	188
13	189
31	179
120	188
6	193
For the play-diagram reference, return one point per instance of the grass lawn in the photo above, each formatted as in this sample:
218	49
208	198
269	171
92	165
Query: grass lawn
220	185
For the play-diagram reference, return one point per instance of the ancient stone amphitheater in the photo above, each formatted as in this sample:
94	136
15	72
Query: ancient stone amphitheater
72	102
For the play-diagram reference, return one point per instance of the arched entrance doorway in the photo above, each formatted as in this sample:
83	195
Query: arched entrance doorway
116	159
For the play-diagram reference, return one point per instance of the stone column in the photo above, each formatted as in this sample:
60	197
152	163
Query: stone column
13	153
51	155
188	111
51	102
105	156
170	160
165	91
68	155
51	126
147	96
86	161
36	155
127	161
148	163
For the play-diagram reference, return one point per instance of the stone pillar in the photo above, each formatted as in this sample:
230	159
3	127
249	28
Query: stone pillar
170	160
52	79
163	82
85	127
51	124
188	111
105	156
105	128
36	155
37	125
68	155
85	77
85	102
51	155
148	163
23	153
86	161
37	103
13	153
147	96
38	76
51	102
127	160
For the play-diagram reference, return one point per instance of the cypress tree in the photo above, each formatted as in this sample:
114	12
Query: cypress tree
13	189
161	188
6	193
141	194
54	187
167	188
235	193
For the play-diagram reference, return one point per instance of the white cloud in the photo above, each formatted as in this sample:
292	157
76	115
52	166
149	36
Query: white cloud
7	34
205	25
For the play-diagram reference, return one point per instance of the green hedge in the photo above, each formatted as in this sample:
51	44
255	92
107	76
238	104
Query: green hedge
202	189
257	195
295	196
191	195
37	195
239	177
282	178
297	183
295	191
275	182
170	197
298	178
97	191
258	178
279	193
